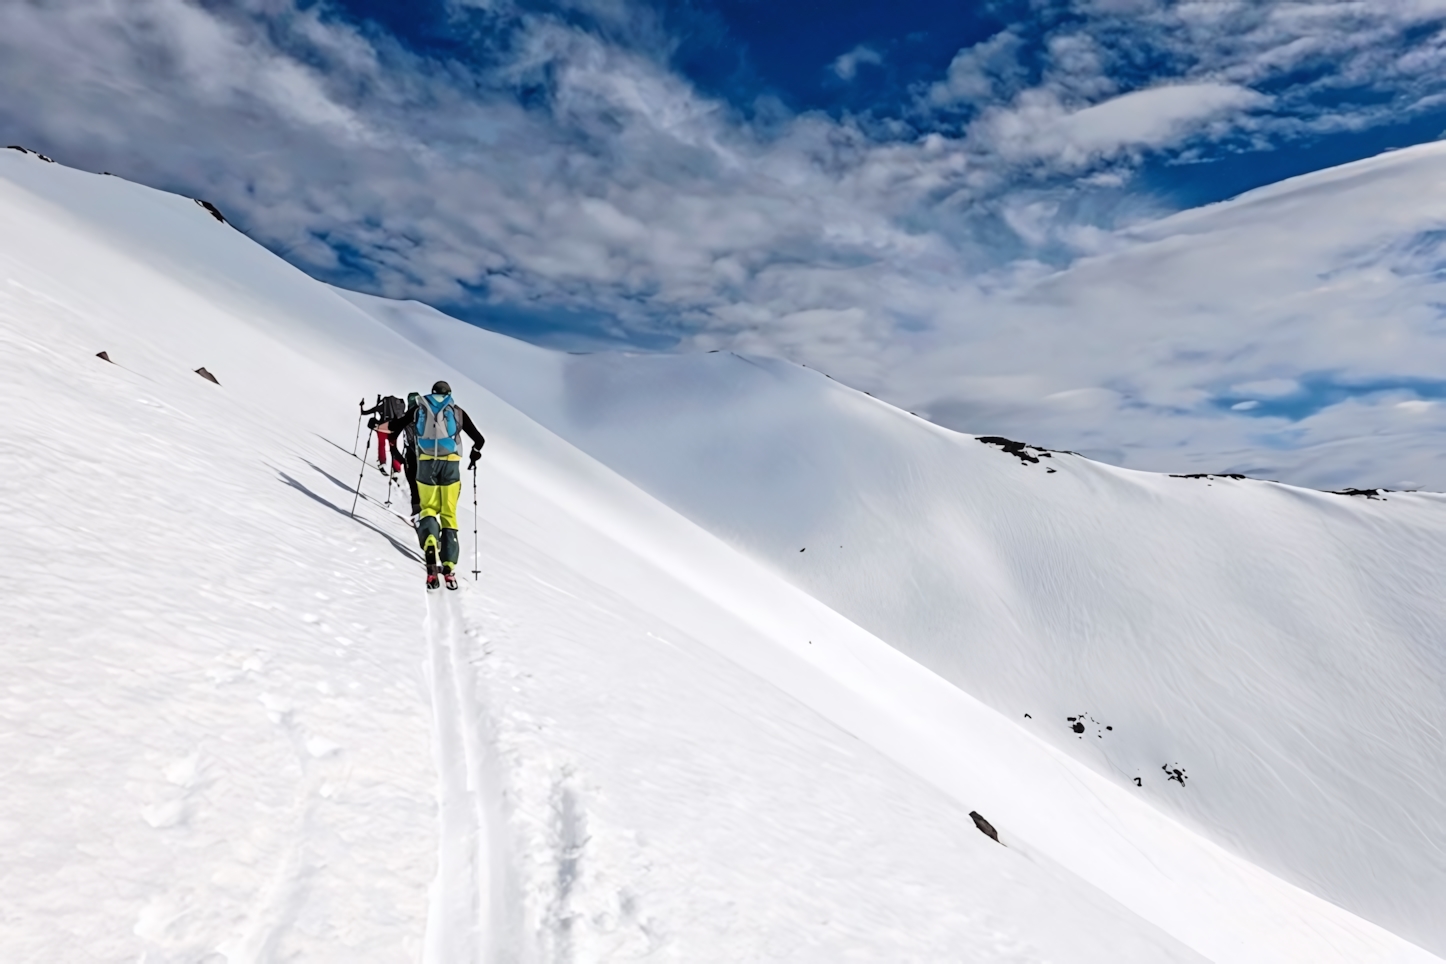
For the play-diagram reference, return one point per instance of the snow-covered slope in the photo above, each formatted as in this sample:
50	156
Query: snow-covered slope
1281	647
227	703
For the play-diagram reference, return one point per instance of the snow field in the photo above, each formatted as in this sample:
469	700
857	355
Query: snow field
1279	647
671	808
209	703
294	815
642	741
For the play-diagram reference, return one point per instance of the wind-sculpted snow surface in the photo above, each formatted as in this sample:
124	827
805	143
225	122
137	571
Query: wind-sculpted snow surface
236	730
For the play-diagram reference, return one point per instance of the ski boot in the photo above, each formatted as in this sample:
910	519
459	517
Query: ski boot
449	576
434	575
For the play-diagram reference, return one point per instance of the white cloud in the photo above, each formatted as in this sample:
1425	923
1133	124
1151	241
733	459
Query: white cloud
1156	116
846	66
1037	125
983	72
1267	388
1273	282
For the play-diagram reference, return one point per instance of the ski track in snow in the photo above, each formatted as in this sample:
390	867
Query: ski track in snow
666	807
467	917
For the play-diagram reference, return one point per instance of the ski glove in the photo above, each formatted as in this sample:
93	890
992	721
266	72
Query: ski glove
476	454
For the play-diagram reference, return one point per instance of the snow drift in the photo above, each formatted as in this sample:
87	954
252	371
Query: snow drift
680	713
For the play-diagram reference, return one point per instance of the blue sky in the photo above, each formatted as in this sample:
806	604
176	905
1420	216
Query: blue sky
865	187
744	52
740	50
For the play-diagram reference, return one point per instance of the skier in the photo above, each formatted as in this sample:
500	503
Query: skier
436	422
384	411
409	460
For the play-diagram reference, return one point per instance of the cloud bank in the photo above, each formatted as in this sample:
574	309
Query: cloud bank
977	252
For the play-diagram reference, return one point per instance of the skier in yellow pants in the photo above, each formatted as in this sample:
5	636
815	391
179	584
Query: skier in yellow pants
437	422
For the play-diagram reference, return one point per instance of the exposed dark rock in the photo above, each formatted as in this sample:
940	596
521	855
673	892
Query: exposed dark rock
985	827
1079	724
207	375
1367	493
215	213
26	150
1210	475
1378	494
1026	453
103	356
1175	773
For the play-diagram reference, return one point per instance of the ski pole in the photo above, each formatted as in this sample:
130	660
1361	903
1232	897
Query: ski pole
361	414
475	569
359	479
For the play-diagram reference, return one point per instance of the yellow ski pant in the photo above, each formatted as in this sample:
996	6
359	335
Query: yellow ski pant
439	483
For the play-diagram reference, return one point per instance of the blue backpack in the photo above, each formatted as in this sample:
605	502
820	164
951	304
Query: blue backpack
437	426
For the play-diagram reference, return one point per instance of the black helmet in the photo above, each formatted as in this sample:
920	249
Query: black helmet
441	388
